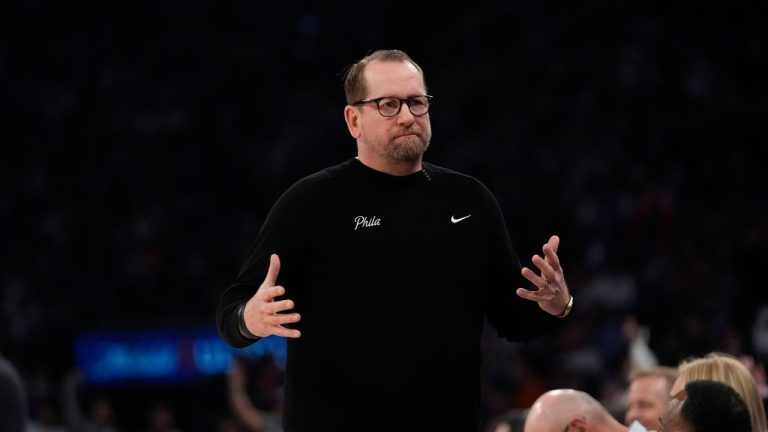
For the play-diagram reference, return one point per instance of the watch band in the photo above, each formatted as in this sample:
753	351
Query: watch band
568	308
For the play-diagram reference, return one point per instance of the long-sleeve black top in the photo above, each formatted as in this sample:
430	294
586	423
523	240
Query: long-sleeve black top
393	277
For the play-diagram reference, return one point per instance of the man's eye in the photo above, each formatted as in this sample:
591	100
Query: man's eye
389	104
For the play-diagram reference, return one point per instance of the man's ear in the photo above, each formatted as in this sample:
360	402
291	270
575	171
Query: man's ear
579	424
352	117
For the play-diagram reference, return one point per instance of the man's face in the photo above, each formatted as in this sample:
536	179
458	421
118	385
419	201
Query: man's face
677	386
671	420
647	400
404	137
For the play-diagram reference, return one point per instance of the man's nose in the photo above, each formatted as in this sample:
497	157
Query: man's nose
404	117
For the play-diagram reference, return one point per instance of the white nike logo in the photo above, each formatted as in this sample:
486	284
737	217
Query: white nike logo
454	220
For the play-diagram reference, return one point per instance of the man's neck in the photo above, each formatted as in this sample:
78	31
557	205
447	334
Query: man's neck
395	168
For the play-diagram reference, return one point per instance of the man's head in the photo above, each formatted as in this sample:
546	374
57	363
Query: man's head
648	396
355	86
706	406
387	109
728	370
571	410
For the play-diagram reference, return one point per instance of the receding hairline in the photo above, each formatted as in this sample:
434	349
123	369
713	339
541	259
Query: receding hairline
355	85
564	404
668	373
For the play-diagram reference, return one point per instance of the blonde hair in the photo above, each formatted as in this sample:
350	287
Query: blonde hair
668	373
728	370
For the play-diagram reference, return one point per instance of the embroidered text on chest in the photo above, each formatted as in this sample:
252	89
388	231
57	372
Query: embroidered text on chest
365	222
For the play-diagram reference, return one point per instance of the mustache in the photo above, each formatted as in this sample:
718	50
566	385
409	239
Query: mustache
412	131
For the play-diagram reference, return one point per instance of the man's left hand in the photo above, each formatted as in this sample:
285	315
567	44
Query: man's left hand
552	294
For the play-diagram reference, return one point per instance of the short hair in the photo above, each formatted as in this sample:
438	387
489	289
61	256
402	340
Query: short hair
355	87
666	372
711	406
728	370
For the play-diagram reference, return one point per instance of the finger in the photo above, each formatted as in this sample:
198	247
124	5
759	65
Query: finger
278	306
268	294
535	279
281	319
554	242
552	258
274	270
547	272
284	332
536	296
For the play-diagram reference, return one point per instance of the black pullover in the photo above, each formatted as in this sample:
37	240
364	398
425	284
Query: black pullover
393	277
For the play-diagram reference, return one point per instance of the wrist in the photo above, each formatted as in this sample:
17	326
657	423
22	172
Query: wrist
241	324
567	309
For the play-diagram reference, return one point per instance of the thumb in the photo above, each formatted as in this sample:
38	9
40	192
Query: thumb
274	270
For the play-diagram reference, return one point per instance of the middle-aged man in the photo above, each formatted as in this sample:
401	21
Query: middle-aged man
648	395
570	410
706	406
391	264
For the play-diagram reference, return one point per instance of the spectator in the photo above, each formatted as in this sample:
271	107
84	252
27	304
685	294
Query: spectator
706	406
726	369
249	415
567	409
648	396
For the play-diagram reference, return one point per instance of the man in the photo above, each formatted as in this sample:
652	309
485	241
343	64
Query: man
570	410
648	396
392	264
706	406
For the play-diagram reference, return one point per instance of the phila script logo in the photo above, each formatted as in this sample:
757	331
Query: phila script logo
365	222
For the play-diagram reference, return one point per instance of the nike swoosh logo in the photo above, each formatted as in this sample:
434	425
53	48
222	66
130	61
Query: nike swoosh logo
454	220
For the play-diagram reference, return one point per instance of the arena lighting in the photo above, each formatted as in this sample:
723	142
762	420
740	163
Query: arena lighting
158	356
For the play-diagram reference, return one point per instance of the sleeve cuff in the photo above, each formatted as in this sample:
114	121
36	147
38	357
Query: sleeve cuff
243	328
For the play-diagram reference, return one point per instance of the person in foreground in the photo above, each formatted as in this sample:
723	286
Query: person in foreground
706	406
391	264
729	370
571	410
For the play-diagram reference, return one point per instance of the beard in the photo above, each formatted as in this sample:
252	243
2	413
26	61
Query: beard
408	149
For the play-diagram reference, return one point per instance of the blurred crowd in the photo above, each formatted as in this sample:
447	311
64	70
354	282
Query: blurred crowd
144	145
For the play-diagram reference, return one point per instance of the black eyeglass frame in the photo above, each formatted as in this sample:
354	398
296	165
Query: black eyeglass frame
406	101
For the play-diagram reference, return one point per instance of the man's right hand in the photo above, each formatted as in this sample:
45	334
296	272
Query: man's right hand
262	313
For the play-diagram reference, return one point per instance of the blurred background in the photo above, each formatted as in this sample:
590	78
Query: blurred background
144	144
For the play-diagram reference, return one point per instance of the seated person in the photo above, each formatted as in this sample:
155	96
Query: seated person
648	395
706	406
570	410
728	370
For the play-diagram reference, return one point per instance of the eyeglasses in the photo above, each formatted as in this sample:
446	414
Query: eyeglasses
390	106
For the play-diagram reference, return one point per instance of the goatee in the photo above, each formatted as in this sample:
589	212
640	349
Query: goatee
412	148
